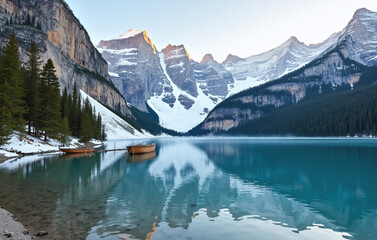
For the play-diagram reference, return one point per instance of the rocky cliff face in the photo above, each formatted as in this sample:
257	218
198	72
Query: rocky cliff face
213	78
135	67
178	66
62	38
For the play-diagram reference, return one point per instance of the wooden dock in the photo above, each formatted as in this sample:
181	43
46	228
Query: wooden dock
110	150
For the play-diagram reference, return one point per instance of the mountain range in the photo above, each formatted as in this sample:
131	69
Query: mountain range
160	89
349	54
184	92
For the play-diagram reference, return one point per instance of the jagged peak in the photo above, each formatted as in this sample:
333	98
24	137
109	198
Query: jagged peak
207	58
177	48
362	11
293	41
361	15
232	59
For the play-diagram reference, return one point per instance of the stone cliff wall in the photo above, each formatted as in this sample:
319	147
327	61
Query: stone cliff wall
63	39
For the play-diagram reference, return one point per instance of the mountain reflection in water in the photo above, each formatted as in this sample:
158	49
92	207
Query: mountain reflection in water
202	189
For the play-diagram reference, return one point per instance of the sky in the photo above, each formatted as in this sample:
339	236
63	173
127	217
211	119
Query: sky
219	27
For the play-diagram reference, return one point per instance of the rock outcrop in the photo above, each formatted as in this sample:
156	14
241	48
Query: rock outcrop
212	77
60	36
179	68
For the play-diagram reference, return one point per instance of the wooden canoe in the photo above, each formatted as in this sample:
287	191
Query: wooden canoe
77	150
140	149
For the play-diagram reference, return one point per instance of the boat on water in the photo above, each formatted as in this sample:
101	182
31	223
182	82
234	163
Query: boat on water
140	149
77	150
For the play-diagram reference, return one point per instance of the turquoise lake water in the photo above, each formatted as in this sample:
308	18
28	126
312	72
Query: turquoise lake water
201	188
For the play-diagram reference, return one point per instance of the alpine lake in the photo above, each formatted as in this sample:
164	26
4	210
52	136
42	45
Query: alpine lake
200	188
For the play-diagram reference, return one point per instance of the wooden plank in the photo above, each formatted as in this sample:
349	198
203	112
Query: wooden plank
111	150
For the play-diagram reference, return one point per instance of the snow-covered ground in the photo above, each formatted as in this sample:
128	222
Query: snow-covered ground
29	144
8	154
115	127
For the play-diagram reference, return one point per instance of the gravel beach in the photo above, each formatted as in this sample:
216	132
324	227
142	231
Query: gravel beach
10	228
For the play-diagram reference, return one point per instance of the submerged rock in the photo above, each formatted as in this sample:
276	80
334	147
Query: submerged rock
41	233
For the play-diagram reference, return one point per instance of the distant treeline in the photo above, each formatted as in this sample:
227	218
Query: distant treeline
343	113
30	96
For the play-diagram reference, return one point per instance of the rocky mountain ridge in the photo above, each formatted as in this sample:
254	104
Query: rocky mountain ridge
183	84
341	65
62	38
168	82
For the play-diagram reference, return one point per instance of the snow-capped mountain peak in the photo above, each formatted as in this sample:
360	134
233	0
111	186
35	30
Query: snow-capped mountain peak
270	65
131	33
173	51
360	36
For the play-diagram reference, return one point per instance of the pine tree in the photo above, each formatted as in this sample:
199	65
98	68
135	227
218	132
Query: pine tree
103	133
50	114
32	82
10	78
79	115
65	104
64	134
5	113
98	127
86	128
74	112
33	21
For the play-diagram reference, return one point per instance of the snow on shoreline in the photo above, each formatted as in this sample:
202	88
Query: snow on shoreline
115	127
29	144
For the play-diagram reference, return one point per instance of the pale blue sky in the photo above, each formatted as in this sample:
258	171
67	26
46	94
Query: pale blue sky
220	27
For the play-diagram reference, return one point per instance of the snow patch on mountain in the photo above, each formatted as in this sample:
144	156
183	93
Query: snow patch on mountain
125	51
177	117
113	74
289	56
115	127
360	35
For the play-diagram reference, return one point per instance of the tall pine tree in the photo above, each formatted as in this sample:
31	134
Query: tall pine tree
74	113
32	82
50	114
64	134
5	113
65	104
86	128
12	85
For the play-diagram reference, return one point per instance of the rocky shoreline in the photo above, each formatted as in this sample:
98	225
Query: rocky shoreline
11	228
